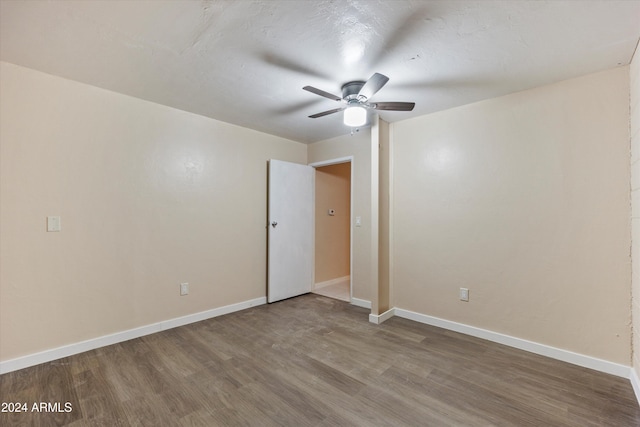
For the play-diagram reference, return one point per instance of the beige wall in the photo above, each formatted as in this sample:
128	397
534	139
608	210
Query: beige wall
634	74
333	191
358	146
149	197
524	200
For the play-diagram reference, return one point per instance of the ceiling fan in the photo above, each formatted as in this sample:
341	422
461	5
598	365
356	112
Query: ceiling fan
356	96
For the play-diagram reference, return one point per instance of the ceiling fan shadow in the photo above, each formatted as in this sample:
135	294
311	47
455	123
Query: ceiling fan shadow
287	64
296	107
406	30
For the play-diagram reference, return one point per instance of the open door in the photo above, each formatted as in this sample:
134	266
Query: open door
290	257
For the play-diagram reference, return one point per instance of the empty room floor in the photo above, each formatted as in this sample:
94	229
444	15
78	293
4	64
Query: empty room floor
316	361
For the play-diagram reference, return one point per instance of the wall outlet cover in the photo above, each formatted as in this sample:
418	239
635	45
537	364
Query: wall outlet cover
53	223
184	289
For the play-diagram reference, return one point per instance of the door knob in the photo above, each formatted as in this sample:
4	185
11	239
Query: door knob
273	224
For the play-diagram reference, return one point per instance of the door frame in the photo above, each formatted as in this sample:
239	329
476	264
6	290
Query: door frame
336	161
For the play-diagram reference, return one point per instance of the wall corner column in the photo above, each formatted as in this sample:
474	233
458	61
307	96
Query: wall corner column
380	217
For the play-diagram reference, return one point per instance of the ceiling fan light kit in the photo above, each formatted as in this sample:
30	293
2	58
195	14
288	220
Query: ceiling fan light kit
356	95
355	116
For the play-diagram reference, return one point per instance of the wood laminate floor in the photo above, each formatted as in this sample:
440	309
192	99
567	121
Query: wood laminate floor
315	361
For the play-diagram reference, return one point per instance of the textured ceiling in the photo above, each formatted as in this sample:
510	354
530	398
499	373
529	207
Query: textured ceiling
245	62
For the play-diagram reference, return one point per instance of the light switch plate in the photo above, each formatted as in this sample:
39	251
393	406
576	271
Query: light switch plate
53	223
184	289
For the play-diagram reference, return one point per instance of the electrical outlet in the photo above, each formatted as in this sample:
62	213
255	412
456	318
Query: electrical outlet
184	289
464	294
53	223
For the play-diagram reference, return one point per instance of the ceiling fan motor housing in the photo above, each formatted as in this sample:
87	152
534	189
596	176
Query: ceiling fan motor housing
350	90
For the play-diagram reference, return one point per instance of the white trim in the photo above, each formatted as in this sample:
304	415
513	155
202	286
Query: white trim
361	303
330	162
530	346
313	230
379	318
91	344
635	383
326	283
352	220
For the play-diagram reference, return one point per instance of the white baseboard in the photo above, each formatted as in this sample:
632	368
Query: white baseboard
533	347
635	383
544	350
331	282
91	344
361	303
379	318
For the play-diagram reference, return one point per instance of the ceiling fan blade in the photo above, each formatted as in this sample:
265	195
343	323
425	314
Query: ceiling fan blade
394	106
322	93
374	84
326	113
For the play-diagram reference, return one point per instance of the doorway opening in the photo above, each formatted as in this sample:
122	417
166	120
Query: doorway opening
333	195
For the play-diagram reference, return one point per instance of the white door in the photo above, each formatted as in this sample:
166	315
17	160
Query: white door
290	266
